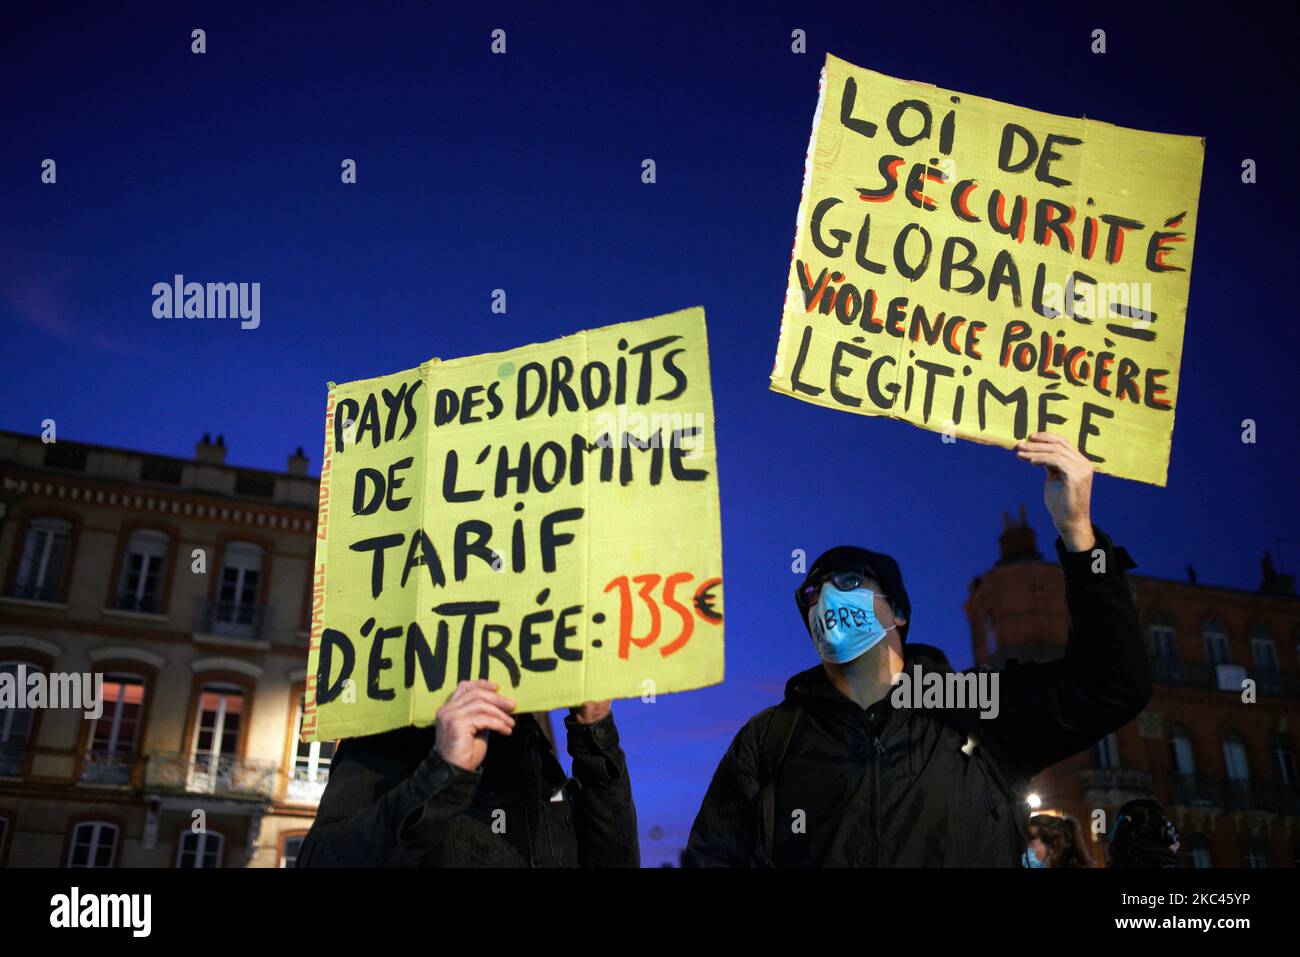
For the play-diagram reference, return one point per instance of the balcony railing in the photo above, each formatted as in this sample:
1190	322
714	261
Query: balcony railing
1184	674
307	786
1132	781
100	768
1274	683
1235	794
222	776
1195	790
1285	797
1205	676
1248	795
234	620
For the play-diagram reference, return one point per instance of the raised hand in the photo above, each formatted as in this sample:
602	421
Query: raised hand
1067	492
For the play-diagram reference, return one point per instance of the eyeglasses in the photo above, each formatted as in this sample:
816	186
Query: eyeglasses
847	580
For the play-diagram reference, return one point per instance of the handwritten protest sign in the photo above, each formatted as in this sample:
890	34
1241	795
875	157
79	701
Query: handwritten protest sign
987	271
545	518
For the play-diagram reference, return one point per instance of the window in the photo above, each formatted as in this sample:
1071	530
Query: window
93	844
1106	752
1263	649
140	586
1180	746
1242	793
1256	853
1285	757
216	738
236	607
1199	850
292	848
115	734
990	635
15	724
1163	643
45	550
202	849
1216	643
1234	757
311	764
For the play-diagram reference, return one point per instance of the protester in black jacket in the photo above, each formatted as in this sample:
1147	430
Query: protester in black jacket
840	774
479	788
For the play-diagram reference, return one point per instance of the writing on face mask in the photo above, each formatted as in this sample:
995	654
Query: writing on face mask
842	617
843	624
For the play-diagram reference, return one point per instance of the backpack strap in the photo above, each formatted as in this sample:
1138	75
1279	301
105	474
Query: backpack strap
771	756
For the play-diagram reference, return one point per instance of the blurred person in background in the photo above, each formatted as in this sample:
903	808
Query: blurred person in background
1056	842
1142	836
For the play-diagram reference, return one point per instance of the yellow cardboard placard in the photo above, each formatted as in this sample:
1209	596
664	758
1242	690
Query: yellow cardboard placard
546	518
987	271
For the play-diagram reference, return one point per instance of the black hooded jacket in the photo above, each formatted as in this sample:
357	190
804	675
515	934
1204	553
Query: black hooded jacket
392	801
925	787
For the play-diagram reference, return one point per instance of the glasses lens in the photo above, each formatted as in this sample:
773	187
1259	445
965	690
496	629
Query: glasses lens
844	581
847	581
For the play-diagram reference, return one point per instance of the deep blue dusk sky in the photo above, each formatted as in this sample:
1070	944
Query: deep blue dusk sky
522	172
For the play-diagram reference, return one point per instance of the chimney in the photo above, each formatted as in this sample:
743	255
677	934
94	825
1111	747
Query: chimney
298	463
1017	543
1275	583
209	453
1191	575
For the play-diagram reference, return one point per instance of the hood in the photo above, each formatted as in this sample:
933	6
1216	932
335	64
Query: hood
878	565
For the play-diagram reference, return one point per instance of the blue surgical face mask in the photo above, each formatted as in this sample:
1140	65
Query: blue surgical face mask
1030	859
843	624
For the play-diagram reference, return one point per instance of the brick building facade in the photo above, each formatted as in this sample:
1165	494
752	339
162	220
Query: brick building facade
1224	768
186	584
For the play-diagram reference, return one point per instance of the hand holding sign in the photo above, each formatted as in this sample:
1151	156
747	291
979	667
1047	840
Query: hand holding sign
1068	489
591	712
465	720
